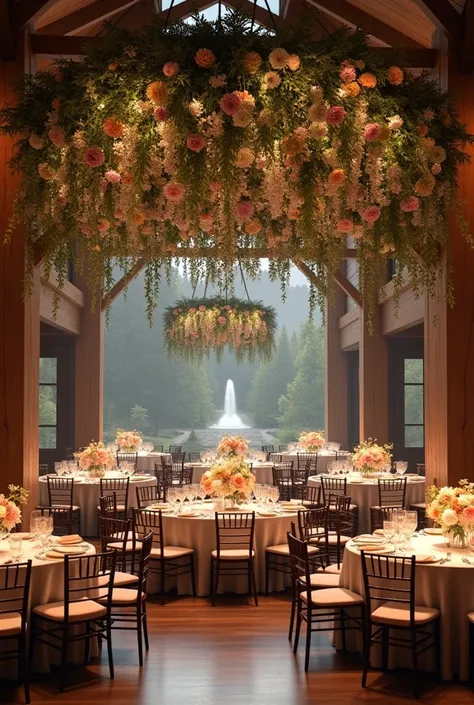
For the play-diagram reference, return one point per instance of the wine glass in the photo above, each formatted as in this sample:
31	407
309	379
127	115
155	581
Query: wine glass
172	498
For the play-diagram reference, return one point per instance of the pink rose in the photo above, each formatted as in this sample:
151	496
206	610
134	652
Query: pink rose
94	156
202	308
347	74
170	69
410	204
371	214
372	131
57	136
222	320
345	225
196	142
244	210
174	192
230	103
103	225
335	115
160	114
112	176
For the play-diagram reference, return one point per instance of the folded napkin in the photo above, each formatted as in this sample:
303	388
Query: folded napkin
69	540
371	547
70	550
379	532
420	558
367	538
54	554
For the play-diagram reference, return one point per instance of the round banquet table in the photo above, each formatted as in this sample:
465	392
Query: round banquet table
47	585
146	461
86	496
324	457
199	533
365	494
448	587
262	471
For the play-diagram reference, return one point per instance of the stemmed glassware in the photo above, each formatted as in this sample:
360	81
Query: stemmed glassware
172	498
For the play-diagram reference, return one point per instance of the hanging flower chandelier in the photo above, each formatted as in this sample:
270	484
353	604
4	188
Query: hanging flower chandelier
218	141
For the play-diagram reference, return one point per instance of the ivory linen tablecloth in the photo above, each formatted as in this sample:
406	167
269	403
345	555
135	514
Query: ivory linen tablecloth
47	585
262	472
448	587
366	494
86	496
199	533
146	461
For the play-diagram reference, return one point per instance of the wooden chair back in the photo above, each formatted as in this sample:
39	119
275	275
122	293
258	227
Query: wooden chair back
234	531
392	493
60	491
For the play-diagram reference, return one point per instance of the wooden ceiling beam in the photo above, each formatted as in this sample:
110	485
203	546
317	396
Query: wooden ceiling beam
357	18
123	283
25	12
86	17
52	45
444	16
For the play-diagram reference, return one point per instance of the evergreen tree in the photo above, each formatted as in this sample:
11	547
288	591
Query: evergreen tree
303	404
270	383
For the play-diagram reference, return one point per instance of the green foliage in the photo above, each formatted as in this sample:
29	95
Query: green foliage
270	382
139	417
302	406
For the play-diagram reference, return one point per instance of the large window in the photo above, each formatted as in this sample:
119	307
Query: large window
413	403
48	394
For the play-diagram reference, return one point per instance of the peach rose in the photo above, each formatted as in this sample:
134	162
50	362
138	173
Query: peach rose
170	69
272	79
252	61
157	92
196	142
395	75
410	204
103	225
230	103
112	176
204	58
46	172
57	136
336	177
351	90
335	115
294	62
94	156
345	225
368	80
278	58
174	192
114	127
371	214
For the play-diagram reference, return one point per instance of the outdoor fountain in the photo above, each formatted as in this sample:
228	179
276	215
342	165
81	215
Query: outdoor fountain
230	419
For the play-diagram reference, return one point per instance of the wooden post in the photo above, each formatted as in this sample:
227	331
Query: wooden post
373	379
89	370
336	412
19	327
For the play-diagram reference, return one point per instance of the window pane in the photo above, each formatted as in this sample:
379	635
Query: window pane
47	437
414	437
414	404
47	406
414	371
48	370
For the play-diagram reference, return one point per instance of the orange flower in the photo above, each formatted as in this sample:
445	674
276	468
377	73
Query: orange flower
253	227
395	75
252	61
425	185
294	62
157	92
336	177
367	80
113	127
351	90
204	58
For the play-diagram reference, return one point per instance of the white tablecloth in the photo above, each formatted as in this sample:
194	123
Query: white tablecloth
323	459
47	585
365	494
199	533
262	472
86	496
146	461
448	587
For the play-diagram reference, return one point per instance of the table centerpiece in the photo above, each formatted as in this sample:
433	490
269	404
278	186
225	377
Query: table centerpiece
229	478
312	441
10	512
370	458
128	441
96	459
452	509
232	446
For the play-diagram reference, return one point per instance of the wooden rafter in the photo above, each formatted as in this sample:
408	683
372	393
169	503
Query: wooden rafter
86	17
355	17
444	16
308	272
25	12
122	283
348	288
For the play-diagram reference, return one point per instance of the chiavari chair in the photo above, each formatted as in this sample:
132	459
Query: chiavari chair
43	469
168	561
119	485
378	515
311	496
175	449
317	607
115	535
392	493
194	457
420	507
283	448
158	449
149	494
87	603
61	496
14	597
307	462
235	554
131	458
282	477
268	450
108	506
389	584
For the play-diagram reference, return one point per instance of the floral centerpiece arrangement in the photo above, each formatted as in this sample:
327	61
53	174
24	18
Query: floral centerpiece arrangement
312	441
232	446
370	458
224	138
96	459
10	512
452	508
194	327
128	441
229	478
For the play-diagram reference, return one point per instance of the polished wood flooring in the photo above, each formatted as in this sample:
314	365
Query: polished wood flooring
232	654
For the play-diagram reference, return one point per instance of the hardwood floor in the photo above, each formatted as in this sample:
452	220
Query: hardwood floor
231	654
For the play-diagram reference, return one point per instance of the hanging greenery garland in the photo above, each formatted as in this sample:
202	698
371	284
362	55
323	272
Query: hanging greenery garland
225	139
194	327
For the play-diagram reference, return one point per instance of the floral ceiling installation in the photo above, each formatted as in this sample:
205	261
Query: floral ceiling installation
194	327
214	135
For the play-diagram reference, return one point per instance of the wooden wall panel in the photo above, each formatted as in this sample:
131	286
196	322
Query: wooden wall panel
373	380
336	387
349	327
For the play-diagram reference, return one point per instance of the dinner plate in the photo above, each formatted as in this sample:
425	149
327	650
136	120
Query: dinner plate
70	550
77	542
25	535
376	549
189	514
266	514
426	558
368	538
433	531
160	505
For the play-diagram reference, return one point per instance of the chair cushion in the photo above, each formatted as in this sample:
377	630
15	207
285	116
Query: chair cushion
470	617
399	613
128	545
122	579
331	569
171	552
332	539
10	624
419	505
120	508
322	580
334	597
78	611
123	596
283	550
233	554
352	507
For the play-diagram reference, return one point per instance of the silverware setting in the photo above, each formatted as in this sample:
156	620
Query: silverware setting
447	559
467	561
